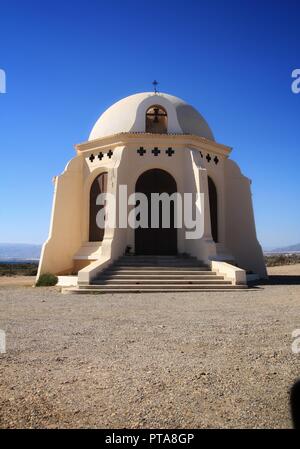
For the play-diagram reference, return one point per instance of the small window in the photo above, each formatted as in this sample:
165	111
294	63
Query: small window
156	120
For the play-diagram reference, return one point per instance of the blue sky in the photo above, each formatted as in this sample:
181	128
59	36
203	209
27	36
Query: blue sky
67	61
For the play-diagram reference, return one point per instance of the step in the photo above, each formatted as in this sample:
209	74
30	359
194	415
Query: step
158	259
157	276
155	268
154	256
163	266
100	290
161	282
143	272
134	280
157	285
152	272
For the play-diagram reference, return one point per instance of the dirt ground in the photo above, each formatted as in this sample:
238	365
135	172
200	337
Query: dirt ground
197	360
17	281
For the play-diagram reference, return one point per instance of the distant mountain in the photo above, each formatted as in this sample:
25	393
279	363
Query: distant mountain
20	251
286	249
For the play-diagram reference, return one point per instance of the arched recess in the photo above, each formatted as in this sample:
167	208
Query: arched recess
98	186
156	120
156	240
213	205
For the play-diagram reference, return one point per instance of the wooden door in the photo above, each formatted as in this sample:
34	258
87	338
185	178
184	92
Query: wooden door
156	240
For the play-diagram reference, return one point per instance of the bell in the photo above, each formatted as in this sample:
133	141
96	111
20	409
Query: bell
155	115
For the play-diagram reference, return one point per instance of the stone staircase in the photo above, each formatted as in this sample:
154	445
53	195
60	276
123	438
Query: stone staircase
130	274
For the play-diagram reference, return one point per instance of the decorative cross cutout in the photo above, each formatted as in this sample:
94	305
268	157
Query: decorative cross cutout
109	154
91	158
156	151
169	151
216	160
208	158
100	156
141	151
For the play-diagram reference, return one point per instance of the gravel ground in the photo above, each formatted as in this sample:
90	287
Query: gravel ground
180	360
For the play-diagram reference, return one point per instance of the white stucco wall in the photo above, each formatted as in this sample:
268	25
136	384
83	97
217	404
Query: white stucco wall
241	237
65	235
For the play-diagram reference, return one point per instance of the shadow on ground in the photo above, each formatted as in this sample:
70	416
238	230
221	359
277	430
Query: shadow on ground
280	279
295	404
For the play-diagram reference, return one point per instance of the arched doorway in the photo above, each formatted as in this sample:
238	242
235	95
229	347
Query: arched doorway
156	240
99	185
213	205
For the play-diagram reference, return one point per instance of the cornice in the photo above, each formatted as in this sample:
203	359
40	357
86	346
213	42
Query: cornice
144	139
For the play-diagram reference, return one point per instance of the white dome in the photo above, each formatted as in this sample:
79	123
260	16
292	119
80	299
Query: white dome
128	115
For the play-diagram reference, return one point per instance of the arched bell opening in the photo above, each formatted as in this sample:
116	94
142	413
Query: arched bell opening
156	120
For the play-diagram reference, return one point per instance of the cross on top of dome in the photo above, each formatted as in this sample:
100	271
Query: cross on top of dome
155	84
